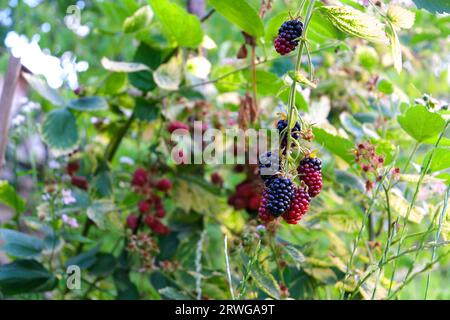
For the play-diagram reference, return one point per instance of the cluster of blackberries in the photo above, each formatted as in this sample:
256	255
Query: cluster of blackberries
282	131
151	209
246	197
288	34
282	198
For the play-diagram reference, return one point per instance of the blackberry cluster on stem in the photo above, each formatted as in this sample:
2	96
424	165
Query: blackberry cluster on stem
288	34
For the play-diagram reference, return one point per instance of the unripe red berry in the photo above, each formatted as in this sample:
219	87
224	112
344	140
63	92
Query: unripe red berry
164	185
132	221
160	213
140	178
216	179
73	167
144	206
253	203
80	182
149	220
175	125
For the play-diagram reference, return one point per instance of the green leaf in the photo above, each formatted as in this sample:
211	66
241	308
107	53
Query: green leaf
267	83
420	123
434	6
115	83
337	145
349	180
9	197
59	130
441	159
185	28
118	66
351	124
355	23
266	282
104	265
240	13
20	245
173	294
139	20
98	212
385	86
168	76
25	276
84	260
43	89
88	104
297	257
146	110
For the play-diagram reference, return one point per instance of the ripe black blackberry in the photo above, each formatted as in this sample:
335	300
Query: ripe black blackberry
288	34
310	171
280	193
269	165
295	131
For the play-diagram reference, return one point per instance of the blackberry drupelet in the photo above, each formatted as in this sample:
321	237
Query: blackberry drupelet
311	174
263	214
280	193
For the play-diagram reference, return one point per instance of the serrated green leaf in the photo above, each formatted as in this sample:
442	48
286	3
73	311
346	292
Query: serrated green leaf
139	20
88	104
9	197
420	123
240	13
266	282
297	257
355	23
59	130
185	28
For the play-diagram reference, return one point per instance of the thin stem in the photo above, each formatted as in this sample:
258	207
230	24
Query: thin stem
438	233
416	145
227	261
291	105
413	201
